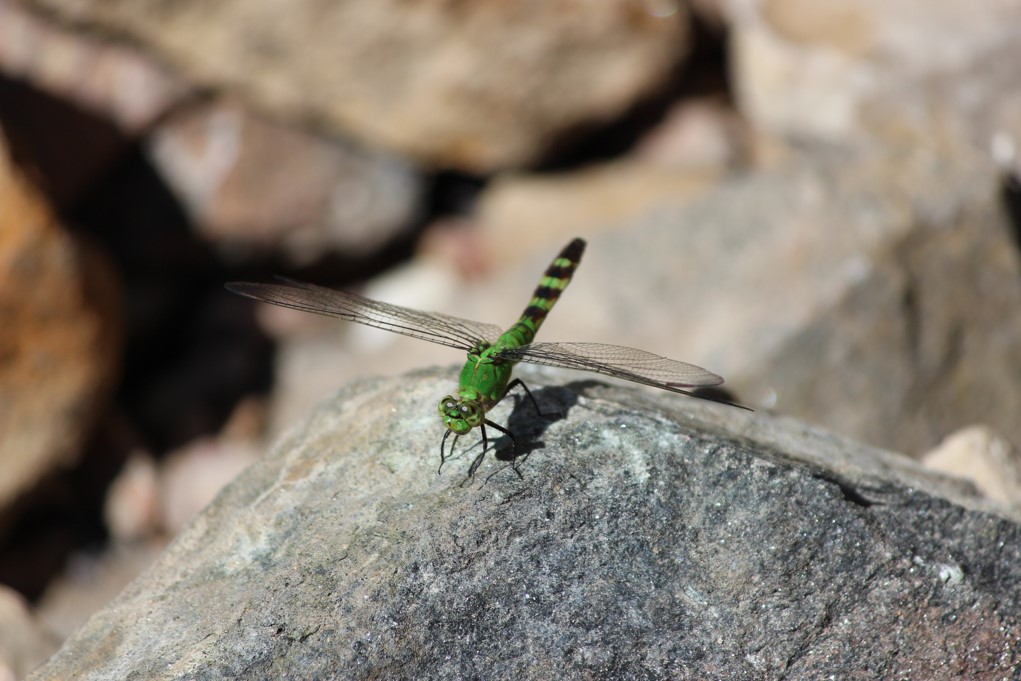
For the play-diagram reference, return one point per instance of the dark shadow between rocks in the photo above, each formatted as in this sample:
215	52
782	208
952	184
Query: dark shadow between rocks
1010	194
703	73
192	351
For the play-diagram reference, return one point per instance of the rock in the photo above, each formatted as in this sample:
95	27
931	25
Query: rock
696	134
132	507
257	188
475	86
150	499
89	581
191	477
982	456
110	79
843	71
844	293
254	187
518	212
888	310
60	343
870	287
24	641
73	94
651	535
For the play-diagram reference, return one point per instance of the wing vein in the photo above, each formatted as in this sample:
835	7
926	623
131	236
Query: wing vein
438	328
629	364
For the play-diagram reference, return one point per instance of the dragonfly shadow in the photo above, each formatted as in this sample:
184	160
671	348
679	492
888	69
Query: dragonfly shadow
554	402
528	425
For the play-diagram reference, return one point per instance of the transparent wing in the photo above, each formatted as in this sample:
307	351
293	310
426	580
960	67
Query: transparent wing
431	326
617	361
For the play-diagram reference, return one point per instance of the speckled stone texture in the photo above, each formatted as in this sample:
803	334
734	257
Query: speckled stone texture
651	537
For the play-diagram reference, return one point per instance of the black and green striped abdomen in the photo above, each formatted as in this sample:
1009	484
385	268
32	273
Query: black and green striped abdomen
554	281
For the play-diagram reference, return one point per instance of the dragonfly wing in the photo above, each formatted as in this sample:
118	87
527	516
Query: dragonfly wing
629	364
431	326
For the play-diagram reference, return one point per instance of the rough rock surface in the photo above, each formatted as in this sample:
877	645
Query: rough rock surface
652	536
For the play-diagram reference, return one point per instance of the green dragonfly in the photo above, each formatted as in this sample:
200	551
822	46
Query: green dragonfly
492	353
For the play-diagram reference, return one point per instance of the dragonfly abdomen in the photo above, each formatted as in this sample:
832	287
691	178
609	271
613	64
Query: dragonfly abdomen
554	280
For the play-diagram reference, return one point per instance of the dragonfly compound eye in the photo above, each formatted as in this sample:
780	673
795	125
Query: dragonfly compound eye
470	412
447	404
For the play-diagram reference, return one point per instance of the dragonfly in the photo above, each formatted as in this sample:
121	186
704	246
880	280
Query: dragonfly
492	352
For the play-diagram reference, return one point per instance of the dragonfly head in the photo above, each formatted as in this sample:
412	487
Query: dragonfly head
460	414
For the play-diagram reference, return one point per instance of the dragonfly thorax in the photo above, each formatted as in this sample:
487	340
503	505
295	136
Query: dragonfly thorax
461	414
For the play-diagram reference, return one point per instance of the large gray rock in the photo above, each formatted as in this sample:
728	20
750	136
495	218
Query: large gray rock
652	536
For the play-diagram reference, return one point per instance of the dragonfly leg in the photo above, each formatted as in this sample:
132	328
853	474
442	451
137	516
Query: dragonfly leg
518	382
485	445
514	449
443	444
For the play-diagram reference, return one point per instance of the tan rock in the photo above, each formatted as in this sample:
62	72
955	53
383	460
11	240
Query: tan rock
475	85
252	185
838	70
696	134
60	344
116	81
24	642
190	478
983	456
132	508
519	212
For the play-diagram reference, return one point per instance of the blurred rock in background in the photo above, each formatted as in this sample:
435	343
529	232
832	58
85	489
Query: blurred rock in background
61	342
818	200
984	457
258	189
475	87
24	642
